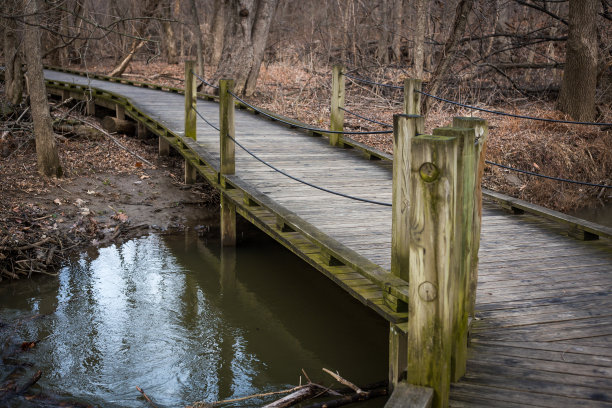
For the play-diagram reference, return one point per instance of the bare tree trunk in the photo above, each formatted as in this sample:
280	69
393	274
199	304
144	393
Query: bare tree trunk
218	30
396	39
46	150
419	37
461	16
168	38
13	57
245	42
382	51
198	35
577	96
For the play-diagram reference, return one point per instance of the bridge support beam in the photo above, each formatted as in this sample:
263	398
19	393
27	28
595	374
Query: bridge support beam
119	111
337	104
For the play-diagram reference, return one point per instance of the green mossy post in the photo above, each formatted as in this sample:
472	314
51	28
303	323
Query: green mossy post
405	128
227	158
433	190
462	251
190	100
337	102
482	132
412	98
190	116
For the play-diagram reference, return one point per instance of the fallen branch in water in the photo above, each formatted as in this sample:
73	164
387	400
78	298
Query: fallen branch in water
346	382
349	399
204	404
149	400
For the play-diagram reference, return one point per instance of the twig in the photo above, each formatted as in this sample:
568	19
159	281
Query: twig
146	397
212	404
111	137
344	381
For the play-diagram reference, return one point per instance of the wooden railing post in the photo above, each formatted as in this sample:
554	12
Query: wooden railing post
190	100
190	117
405	128
462	256
433	192
337	102
227	158
482	131
412	98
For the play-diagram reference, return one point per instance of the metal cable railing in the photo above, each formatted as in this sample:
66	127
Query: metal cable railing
204	81
313	129
463	105
299	180
365	118
584	183
388	125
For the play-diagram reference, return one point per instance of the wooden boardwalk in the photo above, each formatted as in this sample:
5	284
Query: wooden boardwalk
543	329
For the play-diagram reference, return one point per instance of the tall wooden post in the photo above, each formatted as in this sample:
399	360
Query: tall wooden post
482	131
405	129
462	255
190	100
227	158
433	189
190	116
337	102
412	97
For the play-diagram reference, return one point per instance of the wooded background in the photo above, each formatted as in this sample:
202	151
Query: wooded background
517	45
489	51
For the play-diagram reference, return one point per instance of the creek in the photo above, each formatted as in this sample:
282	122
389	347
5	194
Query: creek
187	320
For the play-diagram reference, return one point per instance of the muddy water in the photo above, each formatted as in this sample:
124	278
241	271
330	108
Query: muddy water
187	321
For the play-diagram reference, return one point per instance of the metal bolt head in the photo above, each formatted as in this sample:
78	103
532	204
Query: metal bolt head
429	172
428	291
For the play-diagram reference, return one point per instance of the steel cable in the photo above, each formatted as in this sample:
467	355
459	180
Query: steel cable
365	200
204	81
570	122
547	177
364	118
313	129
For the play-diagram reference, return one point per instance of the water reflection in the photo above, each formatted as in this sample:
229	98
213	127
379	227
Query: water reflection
186	321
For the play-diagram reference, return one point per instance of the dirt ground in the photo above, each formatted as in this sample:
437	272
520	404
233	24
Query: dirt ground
107	194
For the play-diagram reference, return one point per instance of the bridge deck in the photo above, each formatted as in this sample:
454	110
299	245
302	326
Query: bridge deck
543	333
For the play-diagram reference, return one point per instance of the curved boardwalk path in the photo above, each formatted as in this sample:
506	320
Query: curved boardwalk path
543	329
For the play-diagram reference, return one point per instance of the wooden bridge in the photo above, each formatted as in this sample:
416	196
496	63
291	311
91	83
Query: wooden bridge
542	330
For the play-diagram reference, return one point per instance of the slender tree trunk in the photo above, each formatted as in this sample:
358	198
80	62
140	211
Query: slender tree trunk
168	38
398	19
450	47
577	96
245	43
46	150
13	56
218	30
419	37
198	34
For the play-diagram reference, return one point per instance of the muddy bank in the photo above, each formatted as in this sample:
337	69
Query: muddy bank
108	195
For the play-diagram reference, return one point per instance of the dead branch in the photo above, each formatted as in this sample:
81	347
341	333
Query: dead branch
204	404
149	400
111	137
349	399
341	380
